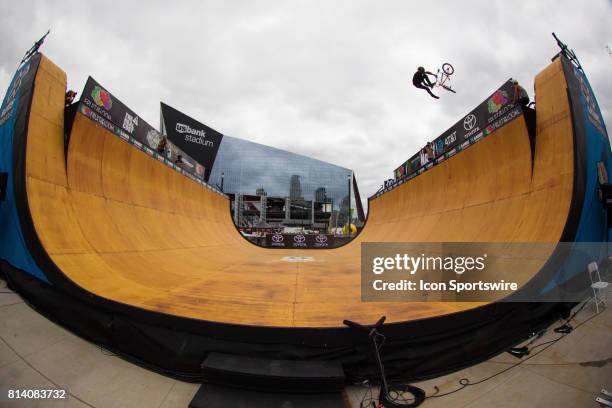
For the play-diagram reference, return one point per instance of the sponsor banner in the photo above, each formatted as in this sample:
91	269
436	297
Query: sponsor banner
20	81
178	159
109	108
389	183
400	172
593	151
14	114
277	240
102	107
497	122
591	109
413	164
196	139
496	111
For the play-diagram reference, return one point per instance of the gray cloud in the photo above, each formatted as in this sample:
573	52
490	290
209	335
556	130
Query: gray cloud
331	81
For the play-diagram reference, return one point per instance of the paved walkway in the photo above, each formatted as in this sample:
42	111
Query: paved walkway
35	353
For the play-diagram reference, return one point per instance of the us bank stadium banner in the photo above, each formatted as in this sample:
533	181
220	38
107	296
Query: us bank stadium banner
496	111
196	139
102	107
299	241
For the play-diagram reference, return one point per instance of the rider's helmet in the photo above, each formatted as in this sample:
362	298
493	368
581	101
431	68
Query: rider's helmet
515	82
421	69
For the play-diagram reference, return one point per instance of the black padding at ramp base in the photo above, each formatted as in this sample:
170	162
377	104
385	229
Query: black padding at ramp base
216	396
273	375
3	185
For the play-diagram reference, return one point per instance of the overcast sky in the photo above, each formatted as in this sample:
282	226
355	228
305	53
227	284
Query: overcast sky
328	79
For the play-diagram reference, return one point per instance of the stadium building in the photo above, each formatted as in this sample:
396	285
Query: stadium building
269	188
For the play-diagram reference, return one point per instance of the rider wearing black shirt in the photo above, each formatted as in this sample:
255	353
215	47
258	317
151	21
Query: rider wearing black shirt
420	80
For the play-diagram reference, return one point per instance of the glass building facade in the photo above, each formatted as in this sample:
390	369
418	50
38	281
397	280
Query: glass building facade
254	169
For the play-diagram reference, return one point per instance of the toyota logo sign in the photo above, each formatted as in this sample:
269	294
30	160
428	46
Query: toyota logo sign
321	239
277	238
299	238
469	121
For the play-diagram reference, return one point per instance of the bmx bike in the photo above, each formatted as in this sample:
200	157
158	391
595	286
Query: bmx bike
443	77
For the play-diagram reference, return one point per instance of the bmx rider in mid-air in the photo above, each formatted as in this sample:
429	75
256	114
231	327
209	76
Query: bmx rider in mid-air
421	81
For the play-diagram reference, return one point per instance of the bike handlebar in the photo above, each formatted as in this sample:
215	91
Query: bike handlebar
559	42
35	47
570	54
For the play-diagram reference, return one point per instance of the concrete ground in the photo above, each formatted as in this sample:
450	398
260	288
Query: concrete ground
37	354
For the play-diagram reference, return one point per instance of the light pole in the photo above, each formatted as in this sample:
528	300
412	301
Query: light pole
348	222
222	177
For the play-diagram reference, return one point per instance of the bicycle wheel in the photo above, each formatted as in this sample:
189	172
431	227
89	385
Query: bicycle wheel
448	68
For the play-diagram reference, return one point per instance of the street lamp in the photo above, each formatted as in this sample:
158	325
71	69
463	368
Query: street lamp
222	177
348	222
